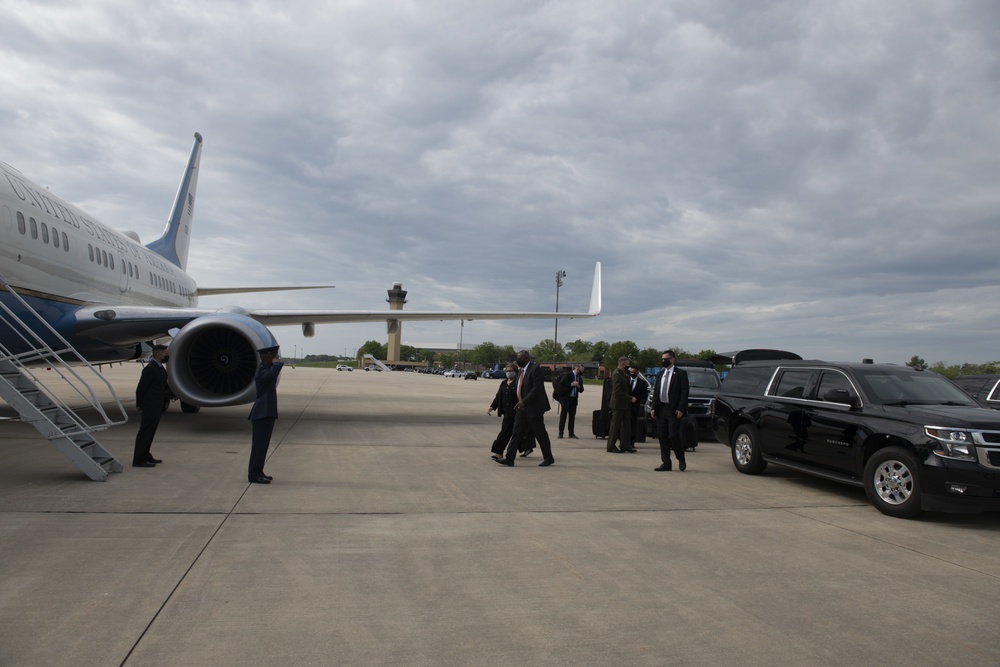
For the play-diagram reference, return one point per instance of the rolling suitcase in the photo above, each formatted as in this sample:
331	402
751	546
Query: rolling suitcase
602	423
689	433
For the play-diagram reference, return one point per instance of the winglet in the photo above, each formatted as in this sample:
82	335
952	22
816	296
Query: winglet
595	293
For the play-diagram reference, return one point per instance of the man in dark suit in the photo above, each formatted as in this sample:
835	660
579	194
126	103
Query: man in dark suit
621	410
264	412
670	405
571	385
530	409
638	391
150	399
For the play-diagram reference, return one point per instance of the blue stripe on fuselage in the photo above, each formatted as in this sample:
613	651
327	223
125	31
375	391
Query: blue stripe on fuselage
61	317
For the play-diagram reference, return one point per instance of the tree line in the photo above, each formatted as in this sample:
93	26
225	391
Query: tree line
953	371
488	354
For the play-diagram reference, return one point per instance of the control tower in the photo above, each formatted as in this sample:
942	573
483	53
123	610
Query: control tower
396	299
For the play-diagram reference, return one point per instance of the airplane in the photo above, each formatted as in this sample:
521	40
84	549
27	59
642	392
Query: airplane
107	294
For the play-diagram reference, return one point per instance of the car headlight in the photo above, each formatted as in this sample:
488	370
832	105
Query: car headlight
952	443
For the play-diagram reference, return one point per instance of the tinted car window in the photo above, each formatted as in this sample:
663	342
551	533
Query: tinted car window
834	380
890	386
702	380
792	383
995	394
748	379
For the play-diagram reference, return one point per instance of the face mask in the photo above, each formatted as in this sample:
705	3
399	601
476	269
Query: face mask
667	363
166	358
521	363
511	375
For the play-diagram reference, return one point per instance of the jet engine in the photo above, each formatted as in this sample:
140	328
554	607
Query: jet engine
213	359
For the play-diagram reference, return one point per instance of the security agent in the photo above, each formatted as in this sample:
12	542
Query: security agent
264	412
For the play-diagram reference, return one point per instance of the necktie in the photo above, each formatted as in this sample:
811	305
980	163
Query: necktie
572	392
665	385
520	379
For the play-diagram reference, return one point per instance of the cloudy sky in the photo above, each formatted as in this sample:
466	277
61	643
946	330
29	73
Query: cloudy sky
821	176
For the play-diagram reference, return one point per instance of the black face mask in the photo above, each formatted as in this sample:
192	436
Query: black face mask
521	363
667	363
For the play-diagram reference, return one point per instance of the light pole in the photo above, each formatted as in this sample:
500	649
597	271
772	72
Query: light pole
461	332
560	274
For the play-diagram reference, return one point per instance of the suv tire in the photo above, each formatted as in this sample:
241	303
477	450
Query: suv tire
746	451
892	482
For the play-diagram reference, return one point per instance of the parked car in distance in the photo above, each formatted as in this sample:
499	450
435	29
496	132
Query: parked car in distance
373	367
470	375
343	367
912	439
454	373
983	388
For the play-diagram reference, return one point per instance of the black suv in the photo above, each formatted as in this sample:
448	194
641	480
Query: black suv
909	437
983	388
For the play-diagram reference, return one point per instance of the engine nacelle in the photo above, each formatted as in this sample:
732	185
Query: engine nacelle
214	358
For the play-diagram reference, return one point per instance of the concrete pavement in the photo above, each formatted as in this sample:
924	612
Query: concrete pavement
390	537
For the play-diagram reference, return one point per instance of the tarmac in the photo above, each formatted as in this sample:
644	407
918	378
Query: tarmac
389	537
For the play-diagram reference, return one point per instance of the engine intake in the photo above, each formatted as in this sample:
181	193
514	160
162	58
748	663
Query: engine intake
213	359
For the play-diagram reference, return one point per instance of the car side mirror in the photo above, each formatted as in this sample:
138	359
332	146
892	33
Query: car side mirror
841	396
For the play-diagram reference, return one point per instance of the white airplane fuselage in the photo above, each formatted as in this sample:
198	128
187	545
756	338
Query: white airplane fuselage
60	259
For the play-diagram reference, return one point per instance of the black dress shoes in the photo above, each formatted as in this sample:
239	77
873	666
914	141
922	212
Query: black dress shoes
573	437
559	436
260	480
268	478
546	463
630	451
614	450
143	464
505	462
152	460
527	452
662	468
683	466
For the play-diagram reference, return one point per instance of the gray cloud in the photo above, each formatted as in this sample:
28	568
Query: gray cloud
816	176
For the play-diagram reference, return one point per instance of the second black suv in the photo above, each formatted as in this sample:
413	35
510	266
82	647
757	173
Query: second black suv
983	388
910	438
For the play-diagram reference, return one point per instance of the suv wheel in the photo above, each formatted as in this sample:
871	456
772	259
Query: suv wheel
892	482
746	451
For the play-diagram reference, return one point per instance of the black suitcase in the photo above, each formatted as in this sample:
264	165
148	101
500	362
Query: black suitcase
640	429
689	433
601	424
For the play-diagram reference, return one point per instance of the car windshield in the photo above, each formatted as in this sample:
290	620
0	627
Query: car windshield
702	380
901	387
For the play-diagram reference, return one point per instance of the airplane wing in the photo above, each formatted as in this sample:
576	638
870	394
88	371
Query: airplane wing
126	325
214	291
284	317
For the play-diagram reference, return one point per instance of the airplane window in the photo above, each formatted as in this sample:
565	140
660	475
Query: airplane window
45	233
104	257
65	242
90	251
112	257
34	228
55	238
20	222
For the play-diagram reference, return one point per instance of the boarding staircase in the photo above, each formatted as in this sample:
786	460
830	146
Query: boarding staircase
45	405
378	364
